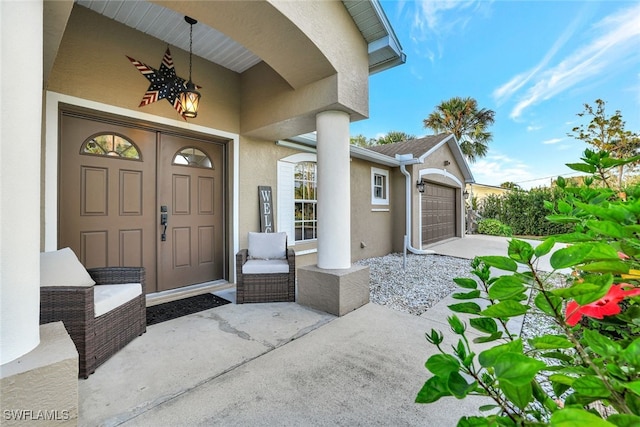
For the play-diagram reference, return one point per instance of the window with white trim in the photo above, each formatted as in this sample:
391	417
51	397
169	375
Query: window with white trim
297	197
379	186
305	196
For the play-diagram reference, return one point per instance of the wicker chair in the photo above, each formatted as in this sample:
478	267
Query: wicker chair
266	270
96	338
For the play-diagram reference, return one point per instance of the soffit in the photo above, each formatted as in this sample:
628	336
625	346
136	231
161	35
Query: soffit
169	26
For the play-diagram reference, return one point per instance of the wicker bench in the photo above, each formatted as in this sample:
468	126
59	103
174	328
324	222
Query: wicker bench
266	271
97	338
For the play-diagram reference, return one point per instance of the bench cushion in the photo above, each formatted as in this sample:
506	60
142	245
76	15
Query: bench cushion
267	245
108	297
265	266
62	268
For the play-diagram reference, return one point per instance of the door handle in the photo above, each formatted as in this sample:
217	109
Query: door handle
164	220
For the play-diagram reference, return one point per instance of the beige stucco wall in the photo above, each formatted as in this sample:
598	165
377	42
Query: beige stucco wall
370	224
258	160
92	64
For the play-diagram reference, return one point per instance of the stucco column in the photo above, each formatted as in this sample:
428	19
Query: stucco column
334	195
21	105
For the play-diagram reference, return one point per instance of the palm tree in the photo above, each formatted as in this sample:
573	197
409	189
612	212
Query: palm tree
461	117
393	136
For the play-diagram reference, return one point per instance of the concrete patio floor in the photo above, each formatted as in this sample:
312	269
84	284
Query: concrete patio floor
279	364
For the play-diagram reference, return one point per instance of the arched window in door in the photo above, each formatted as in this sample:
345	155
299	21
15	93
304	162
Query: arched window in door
191	156
111	145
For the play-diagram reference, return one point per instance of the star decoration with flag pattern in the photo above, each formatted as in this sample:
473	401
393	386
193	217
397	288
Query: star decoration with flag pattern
165	84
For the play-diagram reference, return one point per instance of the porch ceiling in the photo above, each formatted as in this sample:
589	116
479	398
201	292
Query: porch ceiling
169	26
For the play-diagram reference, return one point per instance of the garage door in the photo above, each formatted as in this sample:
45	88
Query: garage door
438	209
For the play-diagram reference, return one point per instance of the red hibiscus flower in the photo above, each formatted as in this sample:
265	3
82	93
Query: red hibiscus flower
605	306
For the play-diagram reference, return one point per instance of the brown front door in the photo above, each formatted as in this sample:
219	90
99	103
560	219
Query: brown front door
115	178
107	194
191	191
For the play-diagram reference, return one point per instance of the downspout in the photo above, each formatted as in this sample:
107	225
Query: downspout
408	159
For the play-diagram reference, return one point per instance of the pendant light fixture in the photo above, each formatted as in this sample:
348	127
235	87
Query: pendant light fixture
190	97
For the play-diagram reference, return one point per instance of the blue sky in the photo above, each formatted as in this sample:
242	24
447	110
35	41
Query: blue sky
535	63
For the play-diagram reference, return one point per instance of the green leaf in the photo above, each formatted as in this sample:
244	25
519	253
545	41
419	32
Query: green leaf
572	417
517	369
569	256
602	281
500	262
458	385
562	379
473	422
580	253
545	247
520	251
485	408
466	283
433	390
614	267
624	420
484	324
591	386
550	305
494	336
564	207
465	307
506	287
582	167
466	295
607	211
520	394
634	386
563	219
557	355
607	228
550	342
488	357
631	354
600	344
581	292
505	309
442	365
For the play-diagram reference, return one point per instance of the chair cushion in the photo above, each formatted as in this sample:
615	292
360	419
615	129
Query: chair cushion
108	297
267	245
265	266
62	268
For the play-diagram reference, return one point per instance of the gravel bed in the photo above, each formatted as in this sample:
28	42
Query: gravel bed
426	280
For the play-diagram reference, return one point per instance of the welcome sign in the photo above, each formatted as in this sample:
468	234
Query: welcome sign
266	209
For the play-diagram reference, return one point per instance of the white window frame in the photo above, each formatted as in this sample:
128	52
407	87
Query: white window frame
385	176
285	197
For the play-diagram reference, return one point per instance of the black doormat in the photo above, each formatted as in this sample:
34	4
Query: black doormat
174	309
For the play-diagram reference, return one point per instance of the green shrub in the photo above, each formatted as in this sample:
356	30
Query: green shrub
494	227
524	211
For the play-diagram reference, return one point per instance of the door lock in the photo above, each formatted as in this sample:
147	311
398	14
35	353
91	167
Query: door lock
164	220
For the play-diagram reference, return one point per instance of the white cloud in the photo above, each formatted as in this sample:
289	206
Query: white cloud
618	41
533	128
498	168
434	20
507	90
552	141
